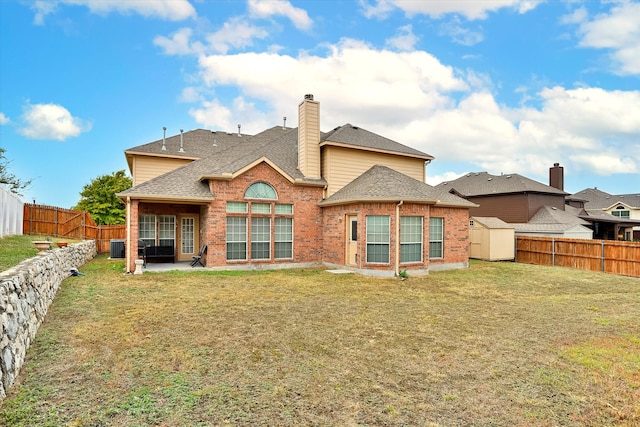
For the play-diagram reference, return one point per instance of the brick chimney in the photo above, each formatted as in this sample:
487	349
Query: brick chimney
309	137
556	176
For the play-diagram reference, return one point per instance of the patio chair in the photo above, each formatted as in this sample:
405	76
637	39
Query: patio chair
197	259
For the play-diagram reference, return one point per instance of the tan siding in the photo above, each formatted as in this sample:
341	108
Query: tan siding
146	168
309	139
340	165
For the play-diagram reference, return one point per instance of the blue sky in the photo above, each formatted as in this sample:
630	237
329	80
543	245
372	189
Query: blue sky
503	86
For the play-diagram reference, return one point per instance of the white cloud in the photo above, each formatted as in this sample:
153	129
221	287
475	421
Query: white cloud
618	31
585	129
437	8
268	8
4	119
51	121
460	34
170	10
413	99
179	43
437	179
235	33
348	78
404	39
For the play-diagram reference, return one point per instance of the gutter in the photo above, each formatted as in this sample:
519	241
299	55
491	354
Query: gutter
398	237
128	244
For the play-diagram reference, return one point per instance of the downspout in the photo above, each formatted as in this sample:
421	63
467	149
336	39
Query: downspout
128	244
398	237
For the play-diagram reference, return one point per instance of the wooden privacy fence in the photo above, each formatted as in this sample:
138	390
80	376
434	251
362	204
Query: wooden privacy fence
608	256
67	223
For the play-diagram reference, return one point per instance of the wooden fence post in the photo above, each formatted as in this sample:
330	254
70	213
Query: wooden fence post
602	257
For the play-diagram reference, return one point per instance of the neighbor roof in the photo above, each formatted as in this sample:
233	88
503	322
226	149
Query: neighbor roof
598	199
381	183
553	215
485	184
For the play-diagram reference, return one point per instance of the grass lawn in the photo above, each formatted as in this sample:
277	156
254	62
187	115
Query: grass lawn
499	344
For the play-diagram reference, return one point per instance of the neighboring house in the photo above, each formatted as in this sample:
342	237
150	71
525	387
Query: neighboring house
547	210
292	197
624	207
553	222
511	197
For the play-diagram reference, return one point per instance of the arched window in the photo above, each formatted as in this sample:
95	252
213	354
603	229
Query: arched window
261	190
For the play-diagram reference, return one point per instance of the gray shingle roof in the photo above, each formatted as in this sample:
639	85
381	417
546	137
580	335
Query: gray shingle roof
485	184
598	199
221	153
358	137
553	215
381	183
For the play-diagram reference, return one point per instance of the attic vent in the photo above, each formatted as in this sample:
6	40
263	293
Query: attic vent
309	97
489	179
355	127
508	176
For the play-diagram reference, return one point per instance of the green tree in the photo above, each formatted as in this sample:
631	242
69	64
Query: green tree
99	198
15	185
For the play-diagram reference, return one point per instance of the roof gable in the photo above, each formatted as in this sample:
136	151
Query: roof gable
381	183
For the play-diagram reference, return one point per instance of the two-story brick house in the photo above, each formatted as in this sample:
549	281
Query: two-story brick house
293	197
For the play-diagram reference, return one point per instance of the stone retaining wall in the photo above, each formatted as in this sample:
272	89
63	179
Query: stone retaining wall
26	291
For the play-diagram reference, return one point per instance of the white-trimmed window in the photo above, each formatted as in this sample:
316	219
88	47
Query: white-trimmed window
260	238
378	239
410	239
621	212
283	238
236	238
259	229
147	229
260	190
167	230
436	237
236	207
157	230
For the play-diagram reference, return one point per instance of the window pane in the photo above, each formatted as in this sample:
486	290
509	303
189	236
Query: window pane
378	239
166	230
436	237
284	209
188	235
260	238
261	190
147	229
236	207
261	208
410	239
236	238
284	238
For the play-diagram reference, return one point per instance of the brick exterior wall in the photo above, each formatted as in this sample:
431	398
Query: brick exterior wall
307	217
456	235
320	234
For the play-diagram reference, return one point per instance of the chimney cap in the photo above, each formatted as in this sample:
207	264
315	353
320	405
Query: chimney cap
309	96
555	165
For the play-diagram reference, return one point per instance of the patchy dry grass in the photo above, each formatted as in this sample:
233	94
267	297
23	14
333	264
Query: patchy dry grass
499	344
